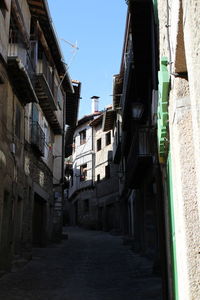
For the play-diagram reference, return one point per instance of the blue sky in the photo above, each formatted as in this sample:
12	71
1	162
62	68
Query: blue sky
98	28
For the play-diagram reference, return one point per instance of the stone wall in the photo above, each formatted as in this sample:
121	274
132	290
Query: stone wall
181	21
12	176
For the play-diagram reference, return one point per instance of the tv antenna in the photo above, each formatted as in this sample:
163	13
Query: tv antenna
72	45
75	48
74	52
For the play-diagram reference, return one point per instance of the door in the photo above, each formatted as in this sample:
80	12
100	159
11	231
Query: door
18	224
6	233
39	222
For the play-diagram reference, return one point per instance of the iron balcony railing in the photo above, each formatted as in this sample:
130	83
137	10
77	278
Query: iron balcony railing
38	137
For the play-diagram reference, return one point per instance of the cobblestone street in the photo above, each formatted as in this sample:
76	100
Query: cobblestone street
89	265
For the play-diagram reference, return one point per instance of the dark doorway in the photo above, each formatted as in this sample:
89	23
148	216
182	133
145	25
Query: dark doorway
6	233
39	222
18	224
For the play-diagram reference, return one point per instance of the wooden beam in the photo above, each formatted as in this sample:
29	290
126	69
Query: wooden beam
44	44
16	10
36	3
38	11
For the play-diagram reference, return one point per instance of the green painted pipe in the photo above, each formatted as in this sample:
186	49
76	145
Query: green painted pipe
172	227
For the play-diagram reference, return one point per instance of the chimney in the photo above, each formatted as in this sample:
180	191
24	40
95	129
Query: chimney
95	104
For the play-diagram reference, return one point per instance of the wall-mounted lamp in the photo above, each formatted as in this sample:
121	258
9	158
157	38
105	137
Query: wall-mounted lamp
137	110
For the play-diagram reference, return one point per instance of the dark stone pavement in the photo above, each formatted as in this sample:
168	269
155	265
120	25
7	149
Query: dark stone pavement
90	265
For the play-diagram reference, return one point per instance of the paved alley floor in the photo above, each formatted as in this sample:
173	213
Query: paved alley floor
90	265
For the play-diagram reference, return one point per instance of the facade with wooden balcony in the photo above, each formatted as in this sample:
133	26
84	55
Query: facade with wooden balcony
135	143
37	138
33	87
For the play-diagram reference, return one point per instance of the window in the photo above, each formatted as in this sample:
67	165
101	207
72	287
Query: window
83	172
82	137
98	177
108	138
98	144
107	171
35	114
17	122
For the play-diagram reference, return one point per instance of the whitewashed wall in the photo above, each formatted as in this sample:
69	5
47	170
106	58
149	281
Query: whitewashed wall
83	154
101	156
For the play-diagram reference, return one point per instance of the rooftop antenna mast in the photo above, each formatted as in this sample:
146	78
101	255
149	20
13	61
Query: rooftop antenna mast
75	48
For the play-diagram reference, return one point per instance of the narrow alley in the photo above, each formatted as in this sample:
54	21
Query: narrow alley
88	265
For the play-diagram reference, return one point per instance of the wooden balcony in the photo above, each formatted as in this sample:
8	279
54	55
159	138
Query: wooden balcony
45	90
139	158
127	83
21	72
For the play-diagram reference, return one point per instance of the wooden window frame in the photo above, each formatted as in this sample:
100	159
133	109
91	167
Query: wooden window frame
82	134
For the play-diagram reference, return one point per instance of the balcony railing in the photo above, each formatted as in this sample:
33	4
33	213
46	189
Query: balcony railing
21	68
17	49
139	156
44	68
37	137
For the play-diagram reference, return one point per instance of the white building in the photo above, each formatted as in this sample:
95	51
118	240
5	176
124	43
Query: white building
93	184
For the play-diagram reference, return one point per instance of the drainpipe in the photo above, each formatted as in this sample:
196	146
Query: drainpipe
93	158
63	158
172	226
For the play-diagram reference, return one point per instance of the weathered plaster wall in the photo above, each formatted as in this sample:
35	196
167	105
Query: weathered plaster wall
4	32
184	125
26	14
83	154
12	175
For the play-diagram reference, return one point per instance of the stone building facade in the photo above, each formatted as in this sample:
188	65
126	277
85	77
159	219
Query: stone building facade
175	115
134	122
178	23
33	86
